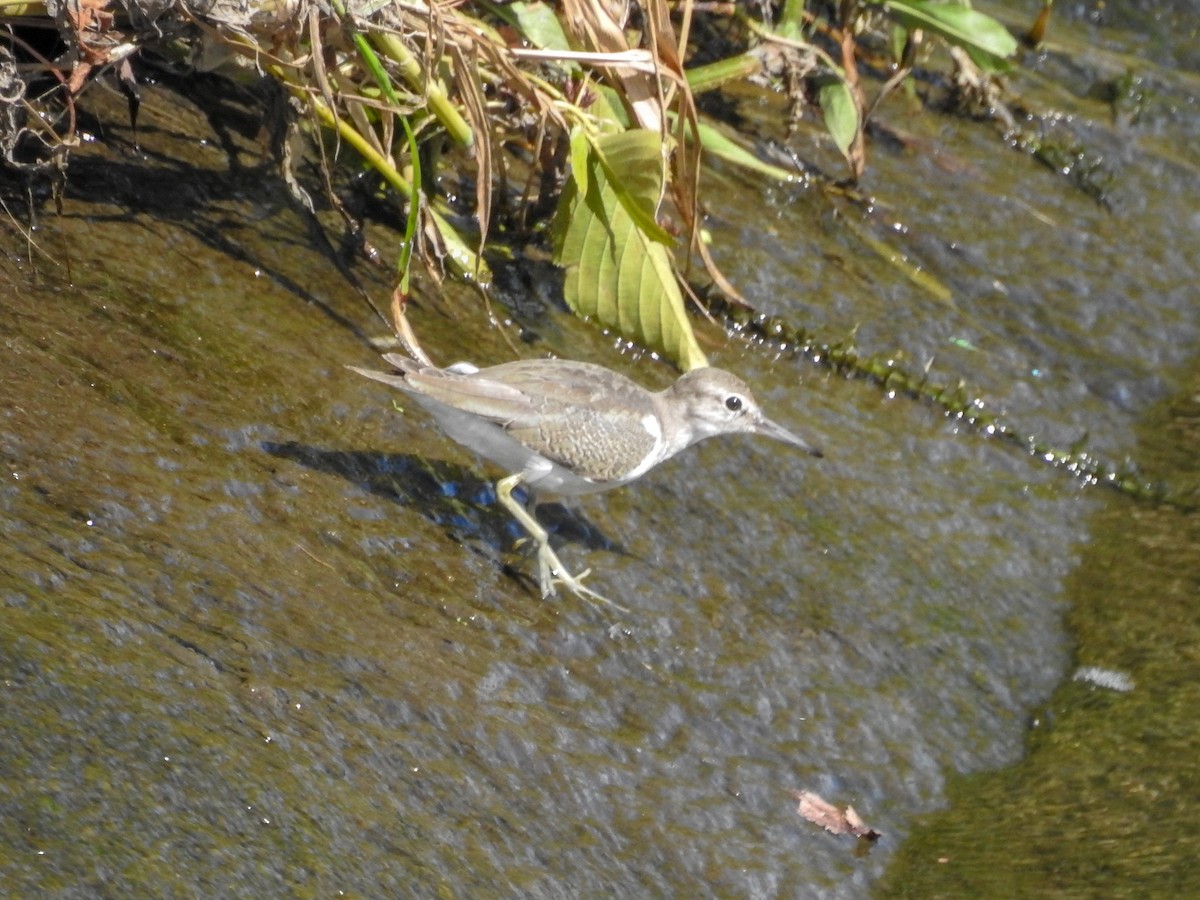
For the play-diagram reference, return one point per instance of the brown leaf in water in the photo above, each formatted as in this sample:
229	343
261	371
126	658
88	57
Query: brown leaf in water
833	819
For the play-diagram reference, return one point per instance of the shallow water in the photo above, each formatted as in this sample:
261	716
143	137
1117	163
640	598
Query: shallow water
264	633
1102	805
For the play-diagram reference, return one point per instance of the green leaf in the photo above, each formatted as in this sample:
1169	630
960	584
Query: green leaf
841	113
539	25
713	75
460	257
724	147
988	41
897	41
617	272
791	20
608	109
634	165
579	160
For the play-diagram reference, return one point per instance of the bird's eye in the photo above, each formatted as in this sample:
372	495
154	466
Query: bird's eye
733	403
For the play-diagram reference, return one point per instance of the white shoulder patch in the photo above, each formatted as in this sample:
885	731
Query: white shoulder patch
653	428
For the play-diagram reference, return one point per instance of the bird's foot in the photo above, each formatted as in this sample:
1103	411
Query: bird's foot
551	571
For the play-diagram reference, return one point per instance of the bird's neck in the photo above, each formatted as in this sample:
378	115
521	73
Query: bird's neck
678	430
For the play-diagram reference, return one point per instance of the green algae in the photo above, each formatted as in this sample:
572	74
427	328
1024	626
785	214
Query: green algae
1103	803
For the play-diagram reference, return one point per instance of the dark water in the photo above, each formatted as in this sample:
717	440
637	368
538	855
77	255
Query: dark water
264	634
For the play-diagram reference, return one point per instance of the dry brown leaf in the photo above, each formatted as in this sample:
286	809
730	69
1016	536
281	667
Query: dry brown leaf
599	28
833	819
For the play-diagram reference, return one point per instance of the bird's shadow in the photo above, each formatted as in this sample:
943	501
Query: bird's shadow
446	495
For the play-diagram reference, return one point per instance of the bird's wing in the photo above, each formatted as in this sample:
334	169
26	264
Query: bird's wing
491	400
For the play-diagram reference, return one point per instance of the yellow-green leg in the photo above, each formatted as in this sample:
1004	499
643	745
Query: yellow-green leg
551	571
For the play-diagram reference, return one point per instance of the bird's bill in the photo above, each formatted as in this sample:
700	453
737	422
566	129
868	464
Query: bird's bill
396	381
770	429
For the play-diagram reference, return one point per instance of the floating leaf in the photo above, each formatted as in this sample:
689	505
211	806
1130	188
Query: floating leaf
833	819
618	270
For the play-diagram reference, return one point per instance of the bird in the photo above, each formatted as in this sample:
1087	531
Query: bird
572	428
